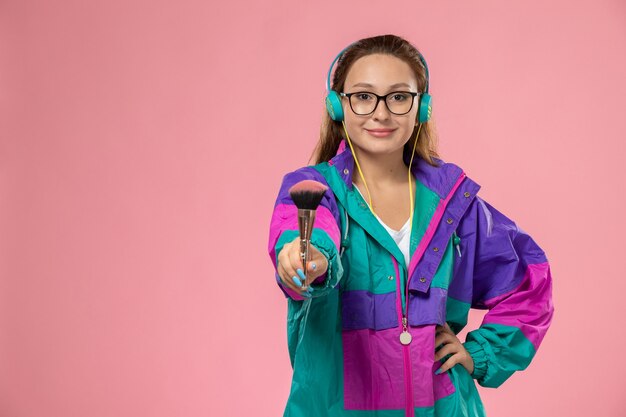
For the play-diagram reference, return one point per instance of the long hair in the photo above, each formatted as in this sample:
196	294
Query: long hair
331	132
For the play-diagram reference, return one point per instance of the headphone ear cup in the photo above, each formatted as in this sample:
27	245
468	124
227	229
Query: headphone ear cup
426	109
333	106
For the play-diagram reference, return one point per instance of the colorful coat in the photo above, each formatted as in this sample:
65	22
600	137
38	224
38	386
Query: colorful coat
344	342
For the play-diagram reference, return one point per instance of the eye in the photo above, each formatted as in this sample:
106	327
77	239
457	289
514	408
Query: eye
400	96
363	96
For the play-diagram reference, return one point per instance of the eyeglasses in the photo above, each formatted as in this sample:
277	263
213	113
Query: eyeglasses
364	102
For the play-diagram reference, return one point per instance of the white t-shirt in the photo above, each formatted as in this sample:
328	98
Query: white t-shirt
401	237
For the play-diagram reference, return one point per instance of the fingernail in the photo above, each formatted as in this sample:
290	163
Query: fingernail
313	265
301	273
305	294
297	281
438	371
310	290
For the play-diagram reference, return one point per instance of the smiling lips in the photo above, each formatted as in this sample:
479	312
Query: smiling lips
380	133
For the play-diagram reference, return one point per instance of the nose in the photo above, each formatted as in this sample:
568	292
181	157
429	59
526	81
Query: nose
381	111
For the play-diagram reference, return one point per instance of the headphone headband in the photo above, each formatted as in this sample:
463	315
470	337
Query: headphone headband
421	57
331	66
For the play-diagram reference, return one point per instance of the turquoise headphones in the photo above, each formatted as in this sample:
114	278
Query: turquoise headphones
333	99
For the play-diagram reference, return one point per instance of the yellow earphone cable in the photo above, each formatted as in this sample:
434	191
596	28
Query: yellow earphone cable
363	178
357	165
410	186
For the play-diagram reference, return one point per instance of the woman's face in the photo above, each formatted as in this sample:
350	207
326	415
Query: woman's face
380	74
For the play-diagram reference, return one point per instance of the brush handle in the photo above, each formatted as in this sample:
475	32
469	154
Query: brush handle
306	219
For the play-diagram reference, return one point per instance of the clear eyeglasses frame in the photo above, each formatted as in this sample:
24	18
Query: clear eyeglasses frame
365	104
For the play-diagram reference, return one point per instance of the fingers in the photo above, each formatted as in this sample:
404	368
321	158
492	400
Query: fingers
452	347
287	279
318	260
315	257
447	349
286	270
290	269
449	363
444	337
288	264
446	343
461	356
445	328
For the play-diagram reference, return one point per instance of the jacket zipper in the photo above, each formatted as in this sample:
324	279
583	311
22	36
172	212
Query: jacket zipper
403	315
408	377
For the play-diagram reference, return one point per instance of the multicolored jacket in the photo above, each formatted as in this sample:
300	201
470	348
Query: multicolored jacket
344	341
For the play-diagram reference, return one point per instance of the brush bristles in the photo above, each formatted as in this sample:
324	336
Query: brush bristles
307	194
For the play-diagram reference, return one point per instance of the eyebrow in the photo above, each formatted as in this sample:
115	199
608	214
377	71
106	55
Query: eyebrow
391	86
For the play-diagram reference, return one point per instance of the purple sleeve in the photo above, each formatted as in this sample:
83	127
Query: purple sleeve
325	235
507	273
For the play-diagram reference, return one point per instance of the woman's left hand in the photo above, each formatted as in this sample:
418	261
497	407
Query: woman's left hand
452	345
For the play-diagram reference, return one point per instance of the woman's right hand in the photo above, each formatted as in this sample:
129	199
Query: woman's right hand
290	266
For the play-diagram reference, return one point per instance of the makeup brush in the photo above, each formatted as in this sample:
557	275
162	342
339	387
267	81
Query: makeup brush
307	195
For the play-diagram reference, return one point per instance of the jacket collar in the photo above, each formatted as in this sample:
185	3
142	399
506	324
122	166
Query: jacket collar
439	179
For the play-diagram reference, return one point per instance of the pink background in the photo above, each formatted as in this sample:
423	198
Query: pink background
142	144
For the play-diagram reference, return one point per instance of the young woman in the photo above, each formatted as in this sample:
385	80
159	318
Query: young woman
402	248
